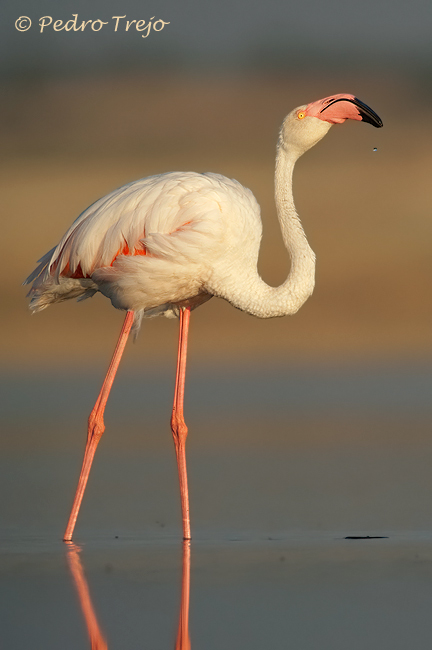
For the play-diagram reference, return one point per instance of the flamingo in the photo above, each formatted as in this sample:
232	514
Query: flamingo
165	244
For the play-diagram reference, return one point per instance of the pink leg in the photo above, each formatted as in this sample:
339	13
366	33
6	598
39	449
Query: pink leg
178	426
96	425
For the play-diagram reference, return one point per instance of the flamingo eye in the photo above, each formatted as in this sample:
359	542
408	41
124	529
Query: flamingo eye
301	115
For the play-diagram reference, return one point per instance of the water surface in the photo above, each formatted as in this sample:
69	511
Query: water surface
282	468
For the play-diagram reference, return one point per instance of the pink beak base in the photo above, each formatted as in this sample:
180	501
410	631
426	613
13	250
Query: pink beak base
338	108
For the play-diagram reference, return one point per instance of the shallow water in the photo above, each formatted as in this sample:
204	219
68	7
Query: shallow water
312	591
282	468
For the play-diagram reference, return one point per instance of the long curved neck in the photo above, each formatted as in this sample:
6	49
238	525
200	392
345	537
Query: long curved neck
301	280
251	293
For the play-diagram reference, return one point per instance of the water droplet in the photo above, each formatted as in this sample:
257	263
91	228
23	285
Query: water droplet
375	148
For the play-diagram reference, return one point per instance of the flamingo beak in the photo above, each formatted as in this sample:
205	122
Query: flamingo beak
366	114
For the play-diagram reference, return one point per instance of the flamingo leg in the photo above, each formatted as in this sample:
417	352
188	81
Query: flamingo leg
178	426
96	425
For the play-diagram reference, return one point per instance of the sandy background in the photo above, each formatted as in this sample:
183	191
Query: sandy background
367	215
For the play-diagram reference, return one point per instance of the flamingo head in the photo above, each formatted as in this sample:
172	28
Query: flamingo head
307	124
338	108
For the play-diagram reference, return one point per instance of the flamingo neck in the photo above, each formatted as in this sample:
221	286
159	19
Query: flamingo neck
301	280
251	293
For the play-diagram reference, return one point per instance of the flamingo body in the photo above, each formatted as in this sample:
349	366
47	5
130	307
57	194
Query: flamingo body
153	244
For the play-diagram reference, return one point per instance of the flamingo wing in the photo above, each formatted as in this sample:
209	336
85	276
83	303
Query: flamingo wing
155	238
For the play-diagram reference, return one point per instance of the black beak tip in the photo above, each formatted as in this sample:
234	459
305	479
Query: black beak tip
376	121
367	114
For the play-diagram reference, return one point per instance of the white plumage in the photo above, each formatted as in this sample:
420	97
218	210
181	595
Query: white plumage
151	244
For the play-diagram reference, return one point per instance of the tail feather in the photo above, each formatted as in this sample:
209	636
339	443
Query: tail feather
45	293
41	269
47	289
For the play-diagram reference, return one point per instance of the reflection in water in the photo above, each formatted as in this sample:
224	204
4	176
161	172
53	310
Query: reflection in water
183	641
96	637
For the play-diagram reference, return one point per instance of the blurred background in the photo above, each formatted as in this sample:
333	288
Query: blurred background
316	423
85	112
